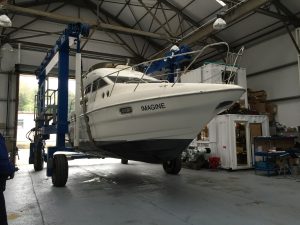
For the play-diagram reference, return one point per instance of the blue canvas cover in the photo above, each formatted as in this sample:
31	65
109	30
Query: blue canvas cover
6	167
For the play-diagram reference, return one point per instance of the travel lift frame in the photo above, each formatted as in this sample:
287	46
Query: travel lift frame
57	164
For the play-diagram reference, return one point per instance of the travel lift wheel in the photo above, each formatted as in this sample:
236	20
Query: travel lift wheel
172	166
124	161
60	170
38	161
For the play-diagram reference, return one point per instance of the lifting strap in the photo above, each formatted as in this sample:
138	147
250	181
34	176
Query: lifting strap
84	109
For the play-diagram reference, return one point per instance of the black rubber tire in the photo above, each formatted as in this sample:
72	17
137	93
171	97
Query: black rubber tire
60	171
124	161
172	166
38	161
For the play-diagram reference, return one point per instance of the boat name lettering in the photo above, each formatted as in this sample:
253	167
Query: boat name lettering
153	107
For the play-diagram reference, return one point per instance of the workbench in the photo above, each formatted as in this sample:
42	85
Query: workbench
274	153
268	162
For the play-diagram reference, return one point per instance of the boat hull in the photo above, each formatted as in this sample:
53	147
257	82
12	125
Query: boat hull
157	129
150	151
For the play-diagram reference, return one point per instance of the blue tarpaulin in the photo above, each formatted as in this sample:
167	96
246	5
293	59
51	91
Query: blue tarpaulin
171	62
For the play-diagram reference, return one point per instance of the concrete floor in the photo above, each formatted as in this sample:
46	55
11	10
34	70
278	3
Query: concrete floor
107	192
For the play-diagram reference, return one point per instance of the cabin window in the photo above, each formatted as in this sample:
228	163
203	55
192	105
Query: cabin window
95	85
99	83
87	89
121	79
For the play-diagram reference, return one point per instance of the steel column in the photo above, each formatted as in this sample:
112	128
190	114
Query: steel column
62	112
77	98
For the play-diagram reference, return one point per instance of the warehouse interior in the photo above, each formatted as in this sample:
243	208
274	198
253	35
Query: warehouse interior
150	111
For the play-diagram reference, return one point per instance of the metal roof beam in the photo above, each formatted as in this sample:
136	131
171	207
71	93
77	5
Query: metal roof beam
36	3
292	18
126	46
286	25
33	20
272	14
120	22
186	17
60	33
229	17
178	11
85	54
155	18
92	23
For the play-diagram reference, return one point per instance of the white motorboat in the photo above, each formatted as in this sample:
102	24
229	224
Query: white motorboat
132	116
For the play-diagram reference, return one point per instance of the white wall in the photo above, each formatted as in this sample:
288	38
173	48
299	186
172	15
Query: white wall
280	83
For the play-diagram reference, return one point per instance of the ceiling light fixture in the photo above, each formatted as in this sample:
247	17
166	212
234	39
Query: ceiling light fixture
219	23
5	21
221	2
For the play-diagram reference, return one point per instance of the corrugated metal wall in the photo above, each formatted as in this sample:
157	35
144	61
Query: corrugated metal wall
9	83
272	66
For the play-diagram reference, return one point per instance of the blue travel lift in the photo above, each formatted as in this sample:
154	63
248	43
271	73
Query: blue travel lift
48	109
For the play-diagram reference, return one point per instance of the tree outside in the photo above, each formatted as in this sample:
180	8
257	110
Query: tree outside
28	90
26	97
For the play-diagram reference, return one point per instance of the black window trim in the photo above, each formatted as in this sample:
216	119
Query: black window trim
87	89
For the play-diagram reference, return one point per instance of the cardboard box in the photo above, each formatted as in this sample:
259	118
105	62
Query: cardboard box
259	107
271	108
271	117
257	96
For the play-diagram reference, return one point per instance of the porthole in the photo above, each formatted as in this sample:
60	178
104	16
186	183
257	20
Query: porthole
107	93
125	110
103	95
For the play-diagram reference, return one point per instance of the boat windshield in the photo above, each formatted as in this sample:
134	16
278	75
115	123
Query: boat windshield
123	79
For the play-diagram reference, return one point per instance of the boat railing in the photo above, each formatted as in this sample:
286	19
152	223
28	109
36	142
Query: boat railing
50	95
232	60
111	91
187	69
199	53
142	77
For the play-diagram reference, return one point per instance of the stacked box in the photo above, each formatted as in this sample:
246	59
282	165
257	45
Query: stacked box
258	102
